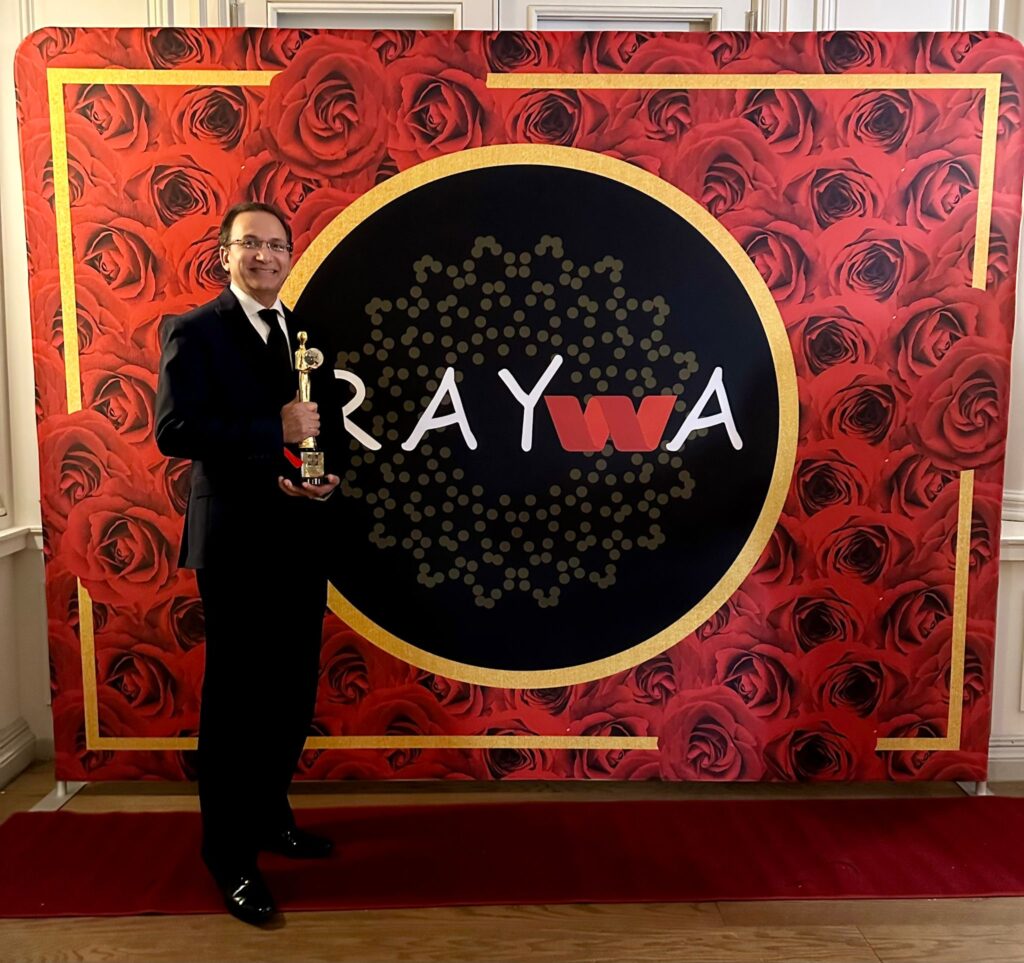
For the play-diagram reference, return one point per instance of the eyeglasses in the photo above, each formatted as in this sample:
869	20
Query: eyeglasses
255	244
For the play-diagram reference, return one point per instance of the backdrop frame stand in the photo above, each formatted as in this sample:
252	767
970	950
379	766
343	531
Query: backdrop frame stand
56	798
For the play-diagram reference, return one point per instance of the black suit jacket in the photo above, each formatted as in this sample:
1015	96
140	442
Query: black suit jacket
219	401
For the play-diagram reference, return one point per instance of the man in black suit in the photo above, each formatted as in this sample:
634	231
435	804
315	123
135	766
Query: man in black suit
227	400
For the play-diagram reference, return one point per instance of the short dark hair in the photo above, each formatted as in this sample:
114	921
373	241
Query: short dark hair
244	208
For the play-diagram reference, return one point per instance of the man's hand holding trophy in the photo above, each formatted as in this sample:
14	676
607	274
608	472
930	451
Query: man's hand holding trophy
301	423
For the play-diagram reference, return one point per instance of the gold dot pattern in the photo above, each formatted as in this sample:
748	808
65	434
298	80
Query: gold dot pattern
495	305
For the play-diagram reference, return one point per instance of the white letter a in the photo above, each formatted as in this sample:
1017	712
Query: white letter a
429	419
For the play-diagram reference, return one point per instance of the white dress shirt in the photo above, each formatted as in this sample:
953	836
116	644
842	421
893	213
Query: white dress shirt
252	308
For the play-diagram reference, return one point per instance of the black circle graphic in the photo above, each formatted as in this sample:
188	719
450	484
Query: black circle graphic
511	560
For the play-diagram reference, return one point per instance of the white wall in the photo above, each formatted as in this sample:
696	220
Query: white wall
24	718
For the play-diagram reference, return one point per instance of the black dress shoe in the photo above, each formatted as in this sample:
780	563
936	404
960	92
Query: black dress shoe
248	899
296	843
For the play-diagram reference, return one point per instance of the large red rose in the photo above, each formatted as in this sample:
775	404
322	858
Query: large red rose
181	620
914	609
122	389
98	313
159	684
861	544
934	184
852	50
609	713
653	681
118	112
941	524
782	252
958	411
944	50
710	734
324	111
836	609
721	164
854	401
272	49
785	118
841	184
389	45
460	699
265	179
182	183
92	168
852	678
169	47
760	674
611	50
928	327
79	455
828	746
438	103
510	50
836	331
122	543
219	116
878	118
317	211
958	238
827	474
125	253
872	258
193	246
912	481
564	118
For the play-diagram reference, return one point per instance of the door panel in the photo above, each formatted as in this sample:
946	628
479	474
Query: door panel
369	14
585	15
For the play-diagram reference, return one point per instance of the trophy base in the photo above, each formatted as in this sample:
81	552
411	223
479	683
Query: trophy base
313	467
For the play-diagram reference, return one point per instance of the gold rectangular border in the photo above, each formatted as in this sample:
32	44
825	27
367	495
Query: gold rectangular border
58	77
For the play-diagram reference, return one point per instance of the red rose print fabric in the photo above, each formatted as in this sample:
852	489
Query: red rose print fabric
858	205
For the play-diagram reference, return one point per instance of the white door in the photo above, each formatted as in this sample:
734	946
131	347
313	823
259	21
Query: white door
369	14
621	15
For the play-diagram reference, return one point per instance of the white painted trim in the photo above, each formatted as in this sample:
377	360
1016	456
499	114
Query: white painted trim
17	749
1011	541
160	13
274	7
536	12
958	18
1013	505
16	538
26	17
1005	758
826	14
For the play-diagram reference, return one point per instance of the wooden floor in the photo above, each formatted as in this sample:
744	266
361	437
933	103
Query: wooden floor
923	931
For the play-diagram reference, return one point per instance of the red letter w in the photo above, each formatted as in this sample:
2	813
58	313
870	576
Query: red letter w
614	415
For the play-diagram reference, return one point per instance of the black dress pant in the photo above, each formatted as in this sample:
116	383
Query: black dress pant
264	623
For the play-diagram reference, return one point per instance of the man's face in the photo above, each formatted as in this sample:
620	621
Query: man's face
260	272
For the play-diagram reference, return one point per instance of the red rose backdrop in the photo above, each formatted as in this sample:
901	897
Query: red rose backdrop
882	215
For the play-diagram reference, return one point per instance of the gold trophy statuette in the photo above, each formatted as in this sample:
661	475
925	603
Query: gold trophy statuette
306	360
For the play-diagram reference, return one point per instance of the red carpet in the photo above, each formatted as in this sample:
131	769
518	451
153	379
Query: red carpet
112	864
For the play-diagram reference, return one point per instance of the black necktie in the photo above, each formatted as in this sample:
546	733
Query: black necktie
277	345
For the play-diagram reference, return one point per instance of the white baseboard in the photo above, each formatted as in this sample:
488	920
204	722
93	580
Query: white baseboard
1013	505
17	749
1006	758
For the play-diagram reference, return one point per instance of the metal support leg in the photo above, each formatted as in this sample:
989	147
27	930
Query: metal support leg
58	796
976	788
